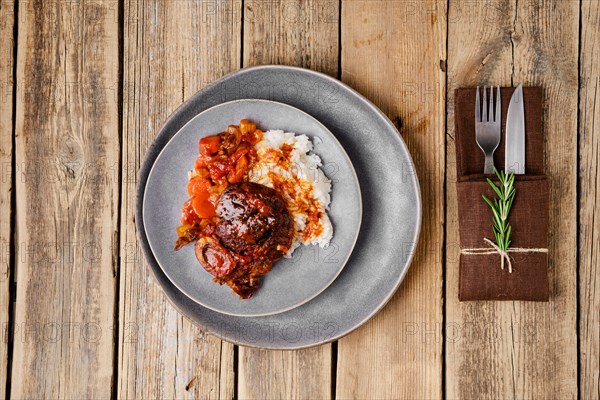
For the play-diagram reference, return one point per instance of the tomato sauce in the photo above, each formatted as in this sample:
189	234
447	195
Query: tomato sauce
223	159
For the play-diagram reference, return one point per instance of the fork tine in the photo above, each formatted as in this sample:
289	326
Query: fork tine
498	106
484	118
477	106
491	112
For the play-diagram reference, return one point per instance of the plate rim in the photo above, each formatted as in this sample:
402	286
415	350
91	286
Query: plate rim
179	112
354	178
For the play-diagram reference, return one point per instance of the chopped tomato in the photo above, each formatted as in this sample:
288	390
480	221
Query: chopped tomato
198	184
210	145
218	170
224	159
239	152
188	215
203	173
203	161
202	206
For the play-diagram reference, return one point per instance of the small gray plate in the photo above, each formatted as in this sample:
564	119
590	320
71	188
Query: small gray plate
293	281
391	201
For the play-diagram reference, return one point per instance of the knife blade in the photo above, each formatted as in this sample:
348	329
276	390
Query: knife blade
514	152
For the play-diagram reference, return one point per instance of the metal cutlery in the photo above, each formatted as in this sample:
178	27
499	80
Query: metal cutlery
514	155
487	126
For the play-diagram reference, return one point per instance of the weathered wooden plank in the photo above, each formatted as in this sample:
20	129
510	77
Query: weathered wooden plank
299	374
518	349
393	52
66	144
7	19
171	50
589	201
302	33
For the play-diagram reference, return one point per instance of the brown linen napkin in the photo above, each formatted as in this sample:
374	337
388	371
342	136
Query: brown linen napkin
481	277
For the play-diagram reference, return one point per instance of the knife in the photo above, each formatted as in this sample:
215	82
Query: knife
514	152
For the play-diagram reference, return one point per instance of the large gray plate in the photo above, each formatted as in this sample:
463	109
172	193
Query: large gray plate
292	281
391	208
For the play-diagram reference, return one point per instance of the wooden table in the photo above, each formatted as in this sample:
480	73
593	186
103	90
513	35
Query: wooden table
84	88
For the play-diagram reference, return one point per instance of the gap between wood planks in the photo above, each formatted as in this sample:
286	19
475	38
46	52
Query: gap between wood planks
116	236
12	278
577	194
444	68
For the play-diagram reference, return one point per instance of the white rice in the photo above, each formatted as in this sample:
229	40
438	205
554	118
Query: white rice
303	171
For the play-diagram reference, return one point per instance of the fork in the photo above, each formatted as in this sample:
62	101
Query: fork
487	127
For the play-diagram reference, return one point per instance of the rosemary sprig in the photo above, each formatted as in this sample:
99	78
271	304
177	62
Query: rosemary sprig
501	207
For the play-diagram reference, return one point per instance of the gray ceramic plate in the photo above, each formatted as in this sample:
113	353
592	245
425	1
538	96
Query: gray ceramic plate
293	281
391	209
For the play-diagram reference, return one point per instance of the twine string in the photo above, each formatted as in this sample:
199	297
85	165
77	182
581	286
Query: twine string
504	255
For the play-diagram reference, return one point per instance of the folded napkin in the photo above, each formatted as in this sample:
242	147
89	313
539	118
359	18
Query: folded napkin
481	276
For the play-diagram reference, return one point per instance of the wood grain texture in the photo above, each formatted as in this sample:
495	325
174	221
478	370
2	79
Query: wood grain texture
299	374
589	201
393	52
305	34
301	33
170	52
7	19
518	349
66	144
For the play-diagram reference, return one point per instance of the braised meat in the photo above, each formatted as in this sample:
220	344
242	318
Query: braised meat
254	229
240	228
253	220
